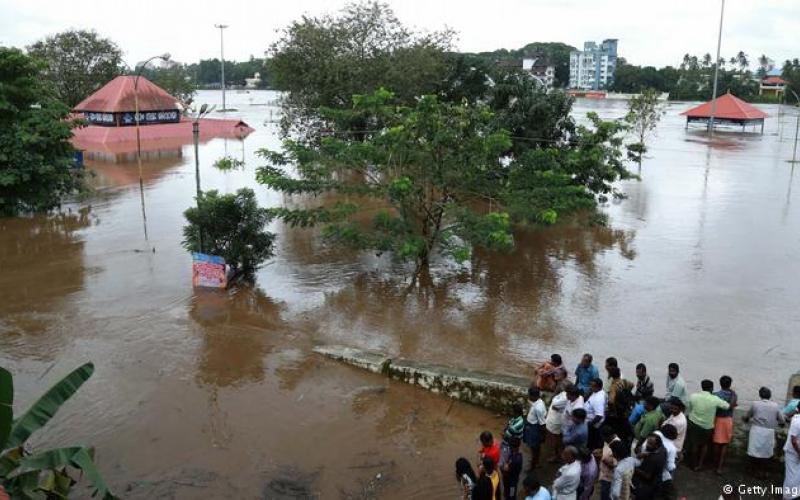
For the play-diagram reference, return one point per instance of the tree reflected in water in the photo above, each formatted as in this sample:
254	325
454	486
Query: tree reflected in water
41	266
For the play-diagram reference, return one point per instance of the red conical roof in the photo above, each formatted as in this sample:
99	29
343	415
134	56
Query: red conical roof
118	96
728	107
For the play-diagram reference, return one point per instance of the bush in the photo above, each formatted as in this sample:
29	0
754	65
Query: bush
232	227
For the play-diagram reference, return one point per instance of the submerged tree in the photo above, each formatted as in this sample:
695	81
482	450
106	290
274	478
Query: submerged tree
644	113
421	176
35	154
78	62
231	226
324	61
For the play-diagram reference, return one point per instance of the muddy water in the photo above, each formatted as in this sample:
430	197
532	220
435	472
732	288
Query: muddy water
199	393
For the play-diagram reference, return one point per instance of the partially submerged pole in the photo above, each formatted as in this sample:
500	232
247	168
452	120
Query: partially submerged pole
716	73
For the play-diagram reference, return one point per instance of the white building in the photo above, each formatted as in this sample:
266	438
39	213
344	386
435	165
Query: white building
541	69
593	67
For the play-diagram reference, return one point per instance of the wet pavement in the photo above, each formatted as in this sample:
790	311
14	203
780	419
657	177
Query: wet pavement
203	393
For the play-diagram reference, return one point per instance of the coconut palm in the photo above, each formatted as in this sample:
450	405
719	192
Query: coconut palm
741	58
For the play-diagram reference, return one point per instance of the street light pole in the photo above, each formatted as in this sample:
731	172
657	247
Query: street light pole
221	27
796	129
716	73
138	74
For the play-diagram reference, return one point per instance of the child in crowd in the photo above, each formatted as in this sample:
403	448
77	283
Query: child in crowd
489	448
512	468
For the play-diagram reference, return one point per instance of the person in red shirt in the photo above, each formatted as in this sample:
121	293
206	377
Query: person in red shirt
489	448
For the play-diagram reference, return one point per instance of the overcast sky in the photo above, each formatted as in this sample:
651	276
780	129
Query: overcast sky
649	32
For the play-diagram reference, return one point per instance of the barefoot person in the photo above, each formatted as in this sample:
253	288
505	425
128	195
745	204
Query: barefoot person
702	411
764	416
723	424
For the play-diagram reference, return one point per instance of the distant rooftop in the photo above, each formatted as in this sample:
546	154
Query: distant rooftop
117	96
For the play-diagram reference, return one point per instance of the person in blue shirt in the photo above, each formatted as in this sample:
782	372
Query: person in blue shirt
584	373
534	490
577	433
791	407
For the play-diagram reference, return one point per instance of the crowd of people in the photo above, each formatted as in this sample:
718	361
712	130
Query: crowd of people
617	436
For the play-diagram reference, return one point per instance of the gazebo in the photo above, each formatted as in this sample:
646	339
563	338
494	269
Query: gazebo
730	110
111	117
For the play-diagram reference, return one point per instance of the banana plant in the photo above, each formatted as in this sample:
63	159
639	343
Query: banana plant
46	474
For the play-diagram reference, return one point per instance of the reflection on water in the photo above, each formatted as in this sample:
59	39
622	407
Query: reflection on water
41	265
221	392
237	328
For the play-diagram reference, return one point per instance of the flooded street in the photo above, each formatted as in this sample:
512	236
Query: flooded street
208	394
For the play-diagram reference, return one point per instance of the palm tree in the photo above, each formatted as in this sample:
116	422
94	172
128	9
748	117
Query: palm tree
741	58
707	60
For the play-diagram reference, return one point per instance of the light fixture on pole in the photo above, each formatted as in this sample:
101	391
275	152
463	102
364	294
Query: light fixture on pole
716	73
222	27
138	74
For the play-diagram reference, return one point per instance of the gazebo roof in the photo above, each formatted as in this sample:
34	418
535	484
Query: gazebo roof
118	96
728	107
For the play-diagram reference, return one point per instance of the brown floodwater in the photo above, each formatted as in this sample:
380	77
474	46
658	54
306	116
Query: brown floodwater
217	394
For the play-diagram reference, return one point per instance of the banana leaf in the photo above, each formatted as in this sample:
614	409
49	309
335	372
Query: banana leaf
47	406
6	408
25	487
76	456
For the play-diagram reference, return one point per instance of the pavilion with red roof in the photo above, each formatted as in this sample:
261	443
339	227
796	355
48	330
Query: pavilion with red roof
110	113
729	110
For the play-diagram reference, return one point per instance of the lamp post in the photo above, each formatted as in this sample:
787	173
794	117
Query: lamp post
796	128
221	27
138	74
204	110
716	74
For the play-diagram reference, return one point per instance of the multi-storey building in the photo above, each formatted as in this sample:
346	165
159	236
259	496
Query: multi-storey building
541	69
593	67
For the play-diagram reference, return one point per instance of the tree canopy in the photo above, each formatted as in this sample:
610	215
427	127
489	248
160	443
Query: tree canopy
78	62
693	79
324	61
231	226
427	168
437	176
35	153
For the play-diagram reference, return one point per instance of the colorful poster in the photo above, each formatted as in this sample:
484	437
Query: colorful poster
208	271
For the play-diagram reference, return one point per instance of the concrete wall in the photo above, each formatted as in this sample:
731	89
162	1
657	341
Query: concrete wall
493	391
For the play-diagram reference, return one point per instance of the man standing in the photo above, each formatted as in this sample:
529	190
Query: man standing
676	387
607	461
650	421
647	476
677	419
565	486
765	416
667	433
723	424
644	386
535	425
595	408
791	454
551	375
576	433
584	373
702	411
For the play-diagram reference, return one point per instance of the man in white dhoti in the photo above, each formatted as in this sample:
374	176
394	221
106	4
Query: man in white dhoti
791	451
565	487
764	416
